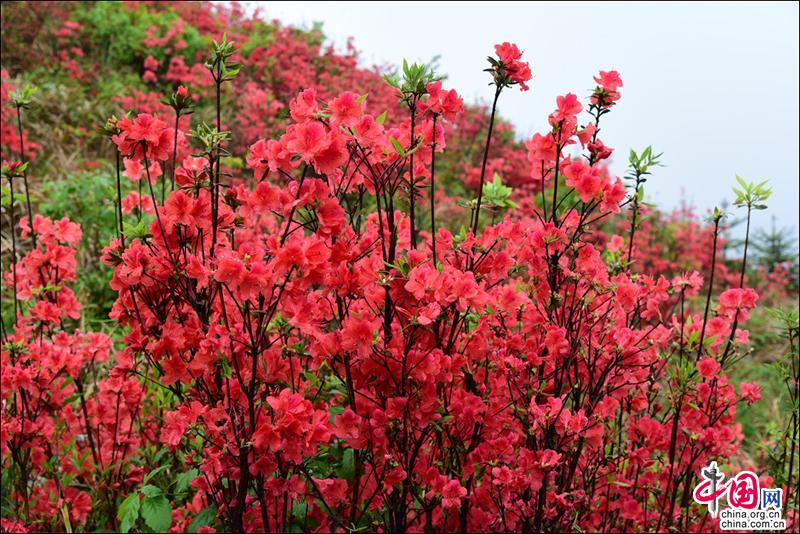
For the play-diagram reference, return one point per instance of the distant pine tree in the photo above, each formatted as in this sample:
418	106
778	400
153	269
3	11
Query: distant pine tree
774	247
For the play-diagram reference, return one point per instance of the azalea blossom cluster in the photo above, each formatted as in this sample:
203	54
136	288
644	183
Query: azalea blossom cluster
64	428
309	354
510	69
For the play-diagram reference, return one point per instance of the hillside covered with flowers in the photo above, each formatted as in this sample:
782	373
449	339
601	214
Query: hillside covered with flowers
252	284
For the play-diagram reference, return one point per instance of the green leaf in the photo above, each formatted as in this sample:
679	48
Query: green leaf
128	512
461	235
182	480
150	491
348	469
497	194
227	372
203	519
392	80
153	473
160	454
741	182
751	194
382	117
397	146
140	231
301	521
157	513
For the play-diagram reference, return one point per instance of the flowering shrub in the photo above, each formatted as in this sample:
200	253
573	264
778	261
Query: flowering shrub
307	346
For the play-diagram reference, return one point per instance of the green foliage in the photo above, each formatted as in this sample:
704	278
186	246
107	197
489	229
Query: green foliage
398	147
718	214
756	419
499	73
775	246
220	64
119	33
210	139
641	165
182	480
262	36
140	230
496	197
347	471
128	512
413	82
87	199
497	194
156	511
148	508
10	171
203	519
772	367
752	194
5	197
763	333
23	97
301	522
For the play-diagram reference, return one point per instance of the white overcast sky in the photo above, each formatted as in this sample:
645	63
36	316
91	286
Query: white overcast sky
712	85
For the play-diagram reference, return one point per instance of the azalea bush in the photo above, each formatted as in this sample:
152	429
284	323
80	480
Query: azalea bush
363	309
